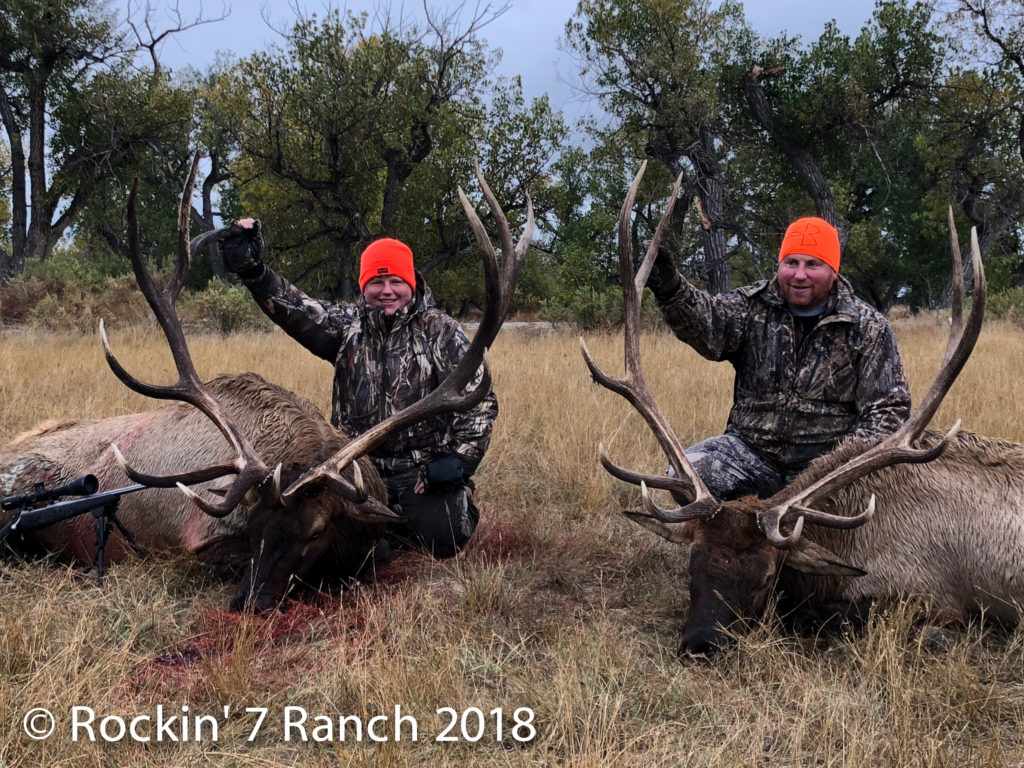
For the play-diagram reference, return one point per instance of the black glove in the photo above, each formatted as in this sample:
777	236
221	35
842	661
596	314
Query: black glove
242	248
664	277
443	474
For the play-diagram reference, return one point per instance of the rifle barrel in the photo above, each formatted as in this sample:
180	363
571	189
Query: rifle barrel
31	519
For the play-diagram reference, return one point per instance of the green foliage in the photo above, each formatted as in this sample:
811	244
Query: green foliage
358	129
59	295
54	314
148	120
53	52
225	309
1007	305
362	126
588	309
584	308
352	114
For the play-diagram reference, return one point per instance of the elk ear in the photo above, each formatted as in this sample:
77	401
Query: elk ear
809	557
677	533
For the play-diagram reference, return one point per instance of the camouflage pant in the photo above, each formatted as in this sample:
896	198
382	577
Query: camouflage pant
730	469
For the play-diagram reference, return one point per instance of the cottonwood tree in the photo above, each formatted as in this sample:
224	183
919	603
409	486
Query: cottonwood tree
66	69
356	132
48	51
983	113
656	67
849	117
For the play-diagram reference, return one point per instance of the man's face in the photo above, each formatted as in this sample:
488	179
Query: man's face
388	291
805	281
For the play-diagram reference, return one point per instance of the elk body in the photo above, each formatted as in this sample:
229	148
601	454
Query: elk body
279	494
318	541
949	529
949	533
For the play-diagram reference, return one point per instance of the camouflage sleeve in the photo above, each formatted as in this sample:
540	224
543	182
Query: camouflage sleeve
715	326
883	395
471	429
317	325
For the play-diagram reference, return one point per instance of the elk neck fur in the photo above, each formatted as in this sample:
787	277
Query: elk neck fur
949	532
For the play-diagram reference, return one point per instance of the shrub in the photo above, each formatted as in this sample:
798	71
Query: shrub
224	308
56	299
588	309
1007	305
56	314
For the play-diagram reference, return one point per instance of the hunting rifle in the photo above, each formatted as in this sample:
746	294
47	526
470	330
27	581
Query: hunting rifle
41	507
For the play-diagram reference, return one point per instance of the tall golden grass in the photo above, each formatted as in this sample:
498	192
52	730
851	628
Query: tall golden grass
559	605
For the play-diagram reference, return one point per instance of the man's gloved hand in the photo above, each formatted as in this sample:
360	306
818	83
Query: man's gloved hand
664	277
242	248
442	474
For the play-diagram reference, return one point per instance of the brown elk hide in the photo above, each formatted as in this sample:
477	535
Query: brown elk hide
950	532
284	428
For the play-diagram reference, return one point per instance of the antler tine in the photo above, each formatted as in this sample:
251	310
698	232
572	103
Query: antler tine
512	254
189	388
679	485
211	472
634	386
701	508
644	271
472	370
897	448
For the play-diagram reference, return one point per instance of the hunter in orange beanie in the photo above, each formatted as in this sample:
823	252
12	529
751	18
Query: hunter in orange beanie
386	256
812	236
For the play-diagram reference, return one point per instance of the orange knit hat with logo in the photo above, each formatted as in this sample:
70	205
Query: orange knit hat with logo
386	256
812	236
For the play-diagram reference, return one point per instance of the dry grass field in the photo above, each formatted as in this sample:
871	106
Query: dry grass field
558	626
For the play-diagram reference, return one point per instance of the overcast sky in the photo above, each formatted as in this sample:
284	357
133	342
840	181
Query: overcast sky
528	33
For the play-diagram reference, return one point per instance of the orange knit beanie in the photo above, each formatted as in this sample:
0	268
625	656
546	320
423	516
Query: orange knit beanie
812	236
386	257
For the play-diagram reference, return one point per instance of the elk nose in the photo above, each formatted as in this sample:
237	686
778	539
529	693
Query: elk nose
699	645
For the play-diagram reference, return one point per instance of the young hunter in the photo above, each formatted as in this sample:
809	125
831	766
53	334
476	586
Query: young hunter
389	349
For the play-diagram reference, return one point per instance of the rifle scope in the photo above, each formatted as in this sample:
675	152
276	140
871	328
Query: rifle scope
86	485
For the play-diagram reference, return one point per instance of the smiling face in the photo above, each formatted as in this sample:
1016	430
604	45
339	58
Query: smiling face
805	281
388	291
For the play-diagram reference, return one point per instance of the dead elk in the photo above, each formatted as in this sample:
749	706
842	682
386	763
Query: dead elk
279	496
948	527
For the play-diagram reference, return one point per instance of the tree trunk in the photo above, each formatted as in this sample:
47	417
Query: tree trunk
714	268
347	288
205	219
799	157
13	262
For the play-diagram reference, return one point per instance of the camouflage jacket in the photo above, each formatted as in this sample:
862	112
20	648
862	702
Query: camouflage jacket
383	364
794	398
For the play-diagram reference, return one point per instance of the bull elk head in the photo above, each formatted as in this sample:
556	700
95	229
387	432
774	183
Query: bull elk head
341	473
753	537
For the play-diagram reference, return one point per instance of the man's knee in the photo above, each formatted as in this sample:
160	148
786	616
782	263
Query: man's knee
730	469
441	523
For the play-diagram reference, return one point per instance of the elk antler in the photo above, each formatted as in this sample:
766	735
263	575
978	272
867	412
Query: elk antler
189	388
896	448
471	371
634	387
